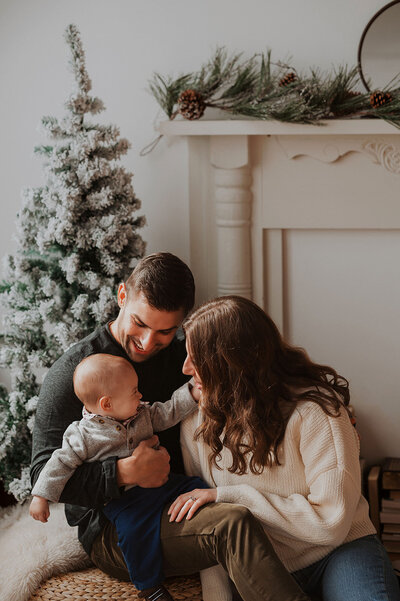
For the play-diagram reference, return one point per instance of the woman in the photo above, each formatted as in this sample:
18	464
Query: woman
273	434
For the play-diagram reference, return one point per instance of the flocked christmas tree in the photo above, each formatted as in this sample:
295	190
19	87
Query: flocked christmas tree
76	240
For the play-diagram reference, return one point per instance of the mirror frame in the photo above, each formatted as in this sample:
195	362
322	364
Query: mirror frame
364	33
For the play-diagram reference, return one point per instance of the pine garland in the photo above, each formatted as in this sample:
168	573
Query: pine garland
259	89
76	240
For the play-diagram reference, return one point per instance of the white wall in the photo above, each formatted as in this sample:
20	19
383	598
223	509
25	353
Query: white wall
125	42
343	307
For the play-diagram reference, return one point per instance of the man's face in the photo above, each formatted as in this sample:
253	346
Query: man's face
142	330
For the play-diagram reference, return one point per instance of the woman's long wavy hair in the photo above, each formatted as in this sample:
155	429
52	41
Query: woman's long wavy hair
252	381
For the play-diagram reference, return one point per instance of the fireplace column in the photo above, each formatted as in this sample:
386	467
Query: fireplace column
233	197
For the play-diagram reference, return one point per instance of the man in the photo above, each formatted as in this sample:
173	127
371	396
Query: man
153	302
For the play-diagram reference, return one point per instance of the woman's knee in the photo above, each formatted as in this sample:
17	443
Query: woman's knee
238	523
232	515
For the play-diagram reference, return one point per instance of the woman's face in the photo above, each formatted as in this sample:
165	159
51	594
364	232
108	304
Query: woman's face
189	368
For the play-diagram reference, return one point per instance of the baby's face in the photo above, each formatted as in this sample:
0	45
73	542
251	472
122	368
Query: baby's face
126	396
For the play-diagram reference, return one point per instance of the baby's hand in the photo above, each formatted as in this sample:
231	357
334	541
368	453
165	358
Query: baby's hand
195	392
39	509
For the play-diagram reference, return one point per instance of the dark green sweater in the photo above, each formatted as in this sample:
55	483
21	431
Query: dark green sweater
93	484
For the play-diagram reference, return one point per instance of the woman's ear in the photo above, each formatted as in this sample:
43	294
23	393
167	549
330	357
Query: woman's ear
105	404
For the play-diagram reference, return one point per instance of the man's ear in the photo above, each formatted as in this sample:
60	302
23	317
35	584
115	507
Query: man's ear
122	295
105	403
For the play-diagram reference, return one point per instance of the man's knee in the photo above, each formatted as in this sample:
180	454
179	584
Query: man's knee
107	555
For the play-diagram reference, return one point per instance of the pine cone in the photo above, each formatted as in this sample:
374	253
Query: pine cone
379	98
287	79
191	104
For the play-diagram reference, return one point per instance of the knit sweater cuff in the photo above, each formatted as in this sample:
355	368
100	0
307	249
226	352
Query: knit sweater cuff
227	494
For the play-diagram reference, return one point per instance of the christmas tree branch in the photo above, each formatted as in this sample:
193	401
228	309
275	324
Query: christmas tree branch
260	89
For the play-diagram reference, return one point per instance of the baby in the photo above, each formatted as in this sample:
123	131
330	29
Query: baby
114	421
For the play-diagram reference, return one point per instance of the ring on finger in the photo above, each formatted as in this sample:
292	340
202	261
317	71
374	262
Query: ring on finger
193	499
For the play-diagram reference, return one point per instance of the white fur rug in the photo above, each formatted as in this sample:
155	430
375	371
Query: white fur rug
32	552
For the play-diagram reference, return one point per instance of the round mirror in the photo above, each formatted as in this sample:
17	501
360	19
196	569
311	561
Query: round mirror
379	49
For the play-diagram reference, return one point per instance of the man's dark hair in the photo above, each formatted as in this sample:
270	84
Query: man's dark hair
165	280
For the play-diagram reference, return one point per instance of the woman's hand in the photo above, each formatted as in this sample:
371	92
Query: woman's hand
188	503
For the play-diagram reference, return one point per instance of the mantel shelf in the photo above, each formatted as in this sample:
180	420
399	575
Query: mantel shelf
276	128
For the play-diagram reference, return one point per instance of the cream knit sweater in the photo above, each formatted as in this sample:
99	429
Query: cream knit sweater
308	505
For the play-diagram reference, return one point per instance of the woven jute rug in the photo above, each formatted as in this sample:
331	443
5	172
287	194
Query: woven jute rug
92	584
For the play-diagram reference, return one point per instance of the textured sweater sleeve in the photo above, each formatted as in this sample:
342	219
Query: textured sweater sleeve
165	415
329	451
62	464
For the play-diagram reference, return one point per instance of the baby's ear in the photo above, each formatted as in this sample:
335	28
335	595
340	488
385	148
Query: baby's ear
105	403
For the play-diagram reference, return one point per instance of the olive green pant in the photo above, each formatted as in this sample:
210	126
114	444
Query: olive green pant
218	533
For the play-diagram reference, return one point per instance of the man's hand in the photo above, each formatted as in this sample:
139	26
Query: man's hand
39	509
147	467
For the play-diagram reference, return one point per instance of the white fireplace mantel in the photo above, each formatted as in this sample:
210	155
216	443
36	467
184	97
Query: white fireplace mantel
251	181
305	220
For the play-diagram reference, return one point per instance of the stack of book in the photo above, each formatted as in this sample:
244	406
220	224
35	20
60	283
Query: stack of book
374	496
390	508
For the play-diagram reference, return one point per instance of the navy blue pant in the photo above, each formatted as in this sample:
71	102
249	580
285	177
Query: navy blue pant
137	518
